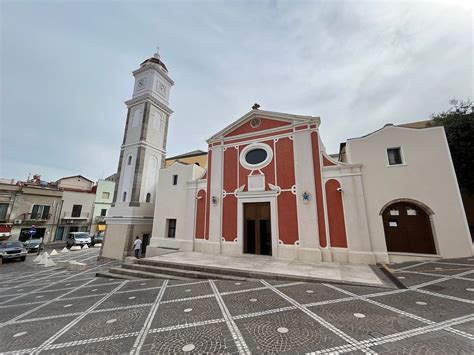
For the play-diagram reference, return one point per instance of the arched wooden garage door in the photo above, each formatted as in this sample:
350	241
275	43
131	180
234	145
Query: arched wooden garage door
408	229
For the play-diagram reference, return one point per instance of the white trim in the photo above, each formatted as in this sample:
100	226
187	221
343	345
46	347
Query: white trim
273	219
402	156
255	146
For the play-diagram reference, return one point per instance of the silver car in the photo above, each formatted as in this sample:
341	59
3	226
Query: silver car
12	249
79	238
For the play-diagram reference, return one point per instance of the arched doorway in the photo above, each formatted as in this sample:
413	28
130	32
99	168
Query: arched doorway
407	229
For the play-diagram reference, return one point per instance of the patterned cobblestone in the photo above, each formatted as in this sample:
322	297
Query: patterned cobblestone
78	313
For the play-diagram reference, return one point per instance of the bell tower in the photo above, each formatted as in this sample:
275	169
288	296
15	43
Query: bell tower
142	155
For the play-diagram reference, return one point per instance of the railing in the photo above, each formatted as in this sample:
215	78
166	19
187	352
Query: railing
100	219
36	216
70	215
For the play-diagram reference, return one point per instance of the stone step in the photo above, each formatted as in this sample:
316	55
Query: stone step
224	272
144	274
111	275
181	272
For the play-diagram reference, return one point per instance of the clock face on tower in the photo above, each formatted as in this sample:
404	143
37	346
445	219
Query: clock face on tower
161	88
141	83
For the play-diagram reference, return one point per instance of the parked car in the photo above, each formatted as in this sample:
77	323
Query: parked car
12	249
78	238
33	245
98	238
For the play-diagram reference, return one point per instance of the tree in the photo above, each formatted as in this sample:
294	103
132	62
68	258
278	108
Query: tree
458	123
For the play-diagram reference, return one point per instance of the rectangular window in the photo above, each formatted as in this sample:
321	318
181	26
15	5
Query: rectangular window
40	212
103	212
3	211
171	227
394	156
175	179
105	195
76	210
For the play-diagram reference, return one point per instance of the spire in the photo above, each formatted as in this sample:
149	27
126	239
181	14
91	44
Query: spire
157	54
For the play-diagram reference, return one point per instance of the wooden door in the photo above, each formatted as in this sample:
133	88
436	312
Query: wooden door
257	228
408	229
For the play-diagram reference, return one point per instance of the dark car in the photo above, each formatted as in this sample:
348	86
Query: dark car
12	249
98	238
32	245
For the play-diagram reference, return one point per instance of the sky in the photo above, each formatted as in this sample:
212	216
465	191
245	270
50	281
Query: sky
66	71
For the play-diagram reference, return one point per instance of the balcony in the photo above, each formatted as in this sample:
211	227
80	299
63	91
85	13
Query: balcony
100	219
75	216
36	217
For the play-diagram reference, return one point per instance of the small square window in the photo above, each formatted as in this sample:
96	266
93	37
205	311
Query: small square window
175	179
394	156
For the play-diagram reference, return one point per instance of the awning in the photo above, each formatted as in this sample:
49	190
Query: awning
5	228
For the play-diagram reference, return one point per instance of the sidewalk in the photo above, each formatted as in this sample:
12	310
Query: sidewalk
330	271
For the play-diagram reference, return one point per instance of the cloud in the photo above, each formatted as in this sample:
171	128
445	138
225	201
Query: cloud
66	70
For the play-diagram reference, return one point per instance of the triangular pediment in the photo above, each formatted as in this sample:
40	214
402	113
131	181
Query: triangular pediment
256	121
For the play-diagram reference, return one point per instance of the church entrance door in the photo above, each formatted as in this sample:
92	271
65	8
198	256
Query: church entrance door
257	228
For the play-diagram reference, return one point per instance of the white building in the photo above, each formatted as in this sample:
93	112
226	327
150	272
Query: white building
142	154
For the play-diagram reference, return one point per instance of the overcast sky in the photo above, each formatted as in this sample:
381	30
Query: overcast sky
66	71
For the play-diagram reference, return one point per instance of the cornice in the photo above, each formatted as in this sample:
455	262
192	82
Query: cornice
144	144
156	68
147	97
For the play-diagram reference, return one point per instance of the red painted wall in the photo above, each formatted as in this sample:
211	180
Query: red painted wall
337	227
265	124
285	167
319	190
327	162
200	214
229	218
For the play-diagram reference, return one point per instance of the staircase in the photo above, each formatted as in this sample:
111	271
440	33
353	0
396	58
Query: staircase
157	269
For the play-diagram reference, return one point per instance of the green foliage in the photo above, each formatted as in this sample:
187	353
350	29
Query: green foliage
458	123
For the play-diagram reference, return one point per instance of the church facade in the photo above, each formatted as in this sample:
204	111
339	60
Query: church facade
271	189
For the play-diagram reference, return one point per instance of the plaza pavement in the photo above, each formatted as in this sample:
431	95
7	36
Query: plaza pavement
52	310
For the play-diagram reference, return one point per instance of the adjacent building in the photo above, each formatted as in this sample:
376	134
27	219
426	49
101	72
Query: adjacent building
78	196
104	195
23	205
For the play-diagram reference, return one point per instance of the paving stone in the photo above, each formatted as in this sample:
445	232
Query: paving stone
455	288
311	292
230	286
7	313
30	335
91	290
362	320
467	327
208	339
298	333
409	279
362	290
186	291
61	307
141	284
253	301
130	298
441	269
436	309
39	296
440	342
115	346
186	312
103	324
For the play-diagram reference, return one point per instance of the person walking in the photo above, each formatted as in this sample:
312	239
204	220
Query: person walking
137	245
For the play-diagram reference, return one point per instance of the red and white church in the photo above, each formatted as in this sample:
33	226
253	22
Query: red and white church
269	188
